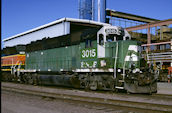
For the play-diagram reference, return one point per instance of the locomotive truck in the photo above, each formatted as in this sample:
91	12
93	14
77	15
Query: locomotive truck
104	59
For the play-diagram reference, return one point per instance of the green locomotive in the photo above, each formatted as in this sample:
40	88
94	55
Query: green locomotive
107	60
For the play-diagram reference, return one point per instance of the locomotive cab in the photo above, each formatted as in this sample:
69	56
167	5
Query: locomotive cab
114	44
110	34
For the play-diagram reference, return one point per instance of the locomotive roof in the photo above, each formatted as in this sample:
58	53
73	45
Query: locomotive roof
71	20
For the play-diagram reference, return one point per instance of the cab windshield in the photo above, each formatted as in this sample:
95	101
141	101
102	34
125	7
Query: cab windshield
110	37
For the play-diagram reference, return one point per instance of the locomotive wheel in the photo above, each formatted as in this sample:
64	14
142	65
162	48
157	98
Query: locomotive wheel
30	80
25	79
35	80
112	87
15	78
116	90
111	83
87	86
21	79
11	77
93	85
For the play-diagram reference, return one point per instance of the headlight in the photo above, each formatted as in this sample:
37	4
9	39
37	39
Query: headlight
119	70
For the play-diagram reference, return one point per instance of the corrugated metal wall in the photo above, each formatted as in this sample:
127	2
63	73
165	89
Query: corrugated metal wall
51	31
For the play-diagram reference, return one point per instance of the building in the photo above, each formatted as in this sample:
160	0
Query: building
67	27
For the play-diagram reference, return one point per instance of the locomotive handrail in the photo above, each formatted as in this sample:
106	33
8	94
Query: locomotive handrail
18	69
13	67
116	55
124	65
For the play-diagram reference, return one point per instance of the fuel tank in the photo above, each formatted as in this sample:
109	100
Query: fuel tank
59	80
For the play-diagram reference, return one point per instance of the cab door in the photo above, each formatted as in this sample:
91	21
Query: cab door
101	44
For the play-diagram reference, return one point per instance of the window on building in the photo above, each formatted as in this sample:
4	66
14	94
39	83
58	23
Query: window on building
167	46
152	47
143	48
162	47
158	47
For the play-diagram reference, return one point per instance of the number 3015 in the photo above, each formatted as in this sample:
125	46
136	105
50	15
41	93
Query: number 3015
88	53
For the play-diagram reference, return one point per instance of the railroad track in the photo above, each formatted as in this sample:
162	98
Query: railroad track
151	107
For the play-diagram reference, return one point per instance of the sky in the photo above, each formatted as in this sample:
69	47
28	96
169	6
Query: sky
18	16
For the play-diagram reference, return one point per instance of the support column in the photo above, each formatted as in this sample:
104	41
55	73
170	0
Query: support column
148	38
148	46
171	49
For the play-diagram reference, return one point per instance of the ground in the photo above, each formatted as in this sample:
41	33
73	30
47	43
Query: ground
20	103
13	102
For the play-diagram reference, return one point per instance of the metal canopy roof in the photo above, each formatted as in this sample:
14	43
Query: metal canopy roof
128	16
86	22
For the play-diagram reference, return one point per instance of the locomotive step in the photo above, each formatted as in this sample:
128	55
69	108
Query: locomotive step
121	80
117	87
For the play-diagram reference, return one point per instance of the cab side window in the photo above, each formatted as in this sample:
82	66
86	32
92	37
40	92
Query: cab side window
101	39
88	43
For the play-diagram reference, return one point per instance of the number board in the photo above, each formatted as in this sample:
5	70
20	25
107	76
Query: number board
111	31
89	53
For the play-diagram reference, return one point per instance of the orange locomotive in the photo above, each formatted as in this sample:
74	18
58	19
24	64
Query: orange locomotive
169	74
11	63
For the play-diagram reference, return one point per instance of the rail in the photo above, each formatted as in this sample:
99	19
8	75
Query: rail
75	96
